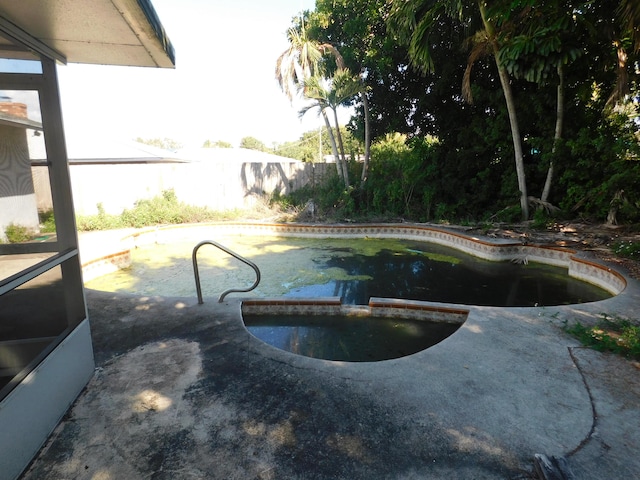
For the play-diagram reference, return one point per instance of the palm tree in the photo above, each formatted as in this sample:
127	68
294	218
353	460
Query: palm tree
301	61
296	63
414	20
628	13
330	94
321	104
298	70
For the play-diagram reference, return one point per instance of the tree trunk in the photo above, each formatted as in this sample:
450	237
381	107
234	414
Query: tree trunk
558	133
517	141
343	160
618	200
513	118
367	136
334	147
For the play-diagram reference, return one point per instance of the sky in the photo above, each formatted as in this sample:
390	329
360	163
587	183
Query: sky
223	86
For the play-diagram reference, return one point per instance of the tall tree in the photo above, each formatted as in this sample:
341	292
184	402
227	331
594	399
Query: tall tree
297	63
539	40
330	94
352	26
301	43
414	21
300	69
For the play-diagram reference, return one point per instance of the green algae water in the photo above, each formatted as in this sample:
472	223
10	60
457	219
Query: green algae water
353	269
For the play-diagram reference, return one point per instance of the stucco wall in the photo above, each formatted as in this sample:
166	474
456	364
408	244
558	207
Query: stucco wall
218	185
17	197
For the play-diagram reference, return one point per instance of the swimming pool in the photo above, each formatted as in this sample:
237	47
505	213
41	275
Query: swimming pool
356	264
311	273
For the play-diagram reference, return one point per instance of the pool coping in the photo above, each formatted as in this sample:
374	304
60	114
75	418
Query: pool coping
377	307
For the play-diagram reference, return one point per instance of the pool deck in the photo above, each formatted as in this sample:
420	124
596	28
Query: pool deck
183	391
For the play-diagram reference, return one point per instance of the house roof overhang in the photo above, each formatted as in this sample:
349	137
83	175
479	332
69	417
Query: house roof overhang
107	32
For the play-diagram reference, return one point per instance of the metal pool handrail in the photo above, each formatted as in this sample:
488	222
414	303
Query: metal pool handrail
196	273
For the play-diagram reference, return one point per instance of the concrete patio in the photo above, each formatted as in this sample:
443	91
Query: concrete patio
183	391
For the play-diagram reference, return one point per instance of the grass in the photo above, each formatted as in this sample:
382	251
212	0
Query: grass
610	334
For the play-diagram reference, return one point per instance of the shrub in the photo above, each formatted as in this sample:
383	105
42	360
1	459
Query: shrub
17	233
160	210
47	222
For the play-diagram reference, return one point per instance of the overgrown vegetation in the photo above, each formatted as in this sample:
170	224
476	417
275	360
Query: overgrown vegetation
628	249
440	152
160	210
17	233
329	198
610	334
47	222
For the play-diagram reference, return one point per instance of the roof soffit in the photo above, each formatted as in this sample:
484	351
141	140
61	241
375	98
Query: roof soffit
110	32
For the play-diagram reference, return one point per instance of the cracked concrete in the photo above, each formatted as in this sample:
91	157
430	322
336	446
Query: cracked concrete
183	391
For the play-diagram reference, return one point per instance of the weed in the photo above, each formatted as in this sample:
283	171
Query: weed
610	334
628	249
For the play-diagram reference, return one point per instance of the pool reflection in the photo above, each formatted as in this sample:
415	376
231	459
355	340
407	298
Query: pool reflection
437	275
348	338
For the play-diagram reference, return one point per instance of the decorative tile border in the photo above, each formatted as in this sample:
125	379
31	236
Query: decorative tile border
378	307
597	274
577	267
292	306
107	264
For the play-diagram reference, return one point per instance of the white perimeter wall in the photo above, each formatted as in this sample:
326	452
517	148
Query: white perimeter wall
219	185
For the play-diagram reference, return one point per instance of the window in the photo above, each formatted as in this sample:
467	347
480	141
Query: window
41	297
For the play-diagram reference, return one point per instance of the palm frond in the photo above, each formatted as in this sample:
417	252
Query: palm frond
481	46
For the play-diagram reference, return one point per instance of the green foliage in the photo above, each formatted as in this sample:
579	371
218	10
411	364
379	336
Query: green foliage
595	162
161	210
252	143
284	202
101	221
628	249
216	144
548	38
310	148
17	233
47	222
420	179
398	177
541	220
331	199
508	214
165	143
605	170
617	335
